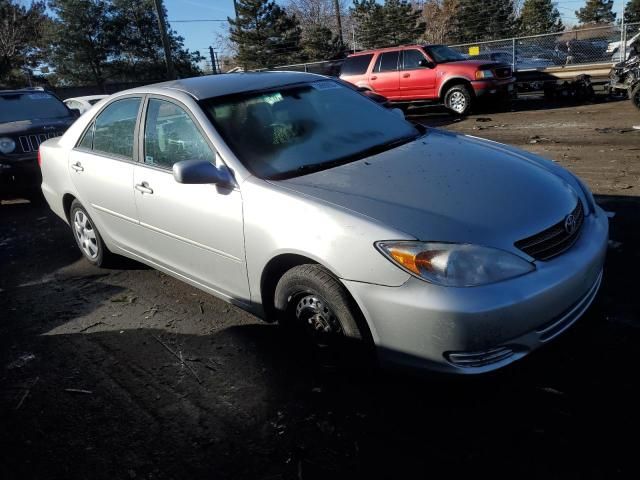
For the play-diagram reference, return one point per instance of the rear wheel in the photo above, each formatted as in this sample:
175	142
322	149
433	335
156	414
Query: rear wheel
314	304
458	99
87	236
635	96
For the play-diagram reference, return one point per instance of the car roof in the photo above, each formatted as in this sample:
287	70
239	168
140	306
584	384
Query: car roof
229	83
24	90
397	47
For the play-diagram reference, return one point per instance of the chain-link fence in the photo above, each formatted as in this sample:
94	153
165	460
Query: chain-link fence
596	45
609	44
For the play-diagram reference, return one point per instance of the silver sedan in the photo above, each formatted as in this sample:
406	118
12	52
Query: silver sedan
302	201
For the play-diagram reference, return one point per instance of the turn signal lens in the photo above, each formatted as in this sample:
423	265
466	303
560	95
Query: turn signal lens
39	158
484	74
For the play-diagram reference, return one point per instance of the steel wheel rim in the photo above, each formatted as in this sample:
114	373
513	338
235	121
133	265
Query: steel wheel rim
457	102
85	234
318	318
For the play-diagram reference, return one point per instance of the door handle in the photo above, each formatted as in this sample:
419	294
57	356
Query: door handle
144	188
406	75
373	77
77	167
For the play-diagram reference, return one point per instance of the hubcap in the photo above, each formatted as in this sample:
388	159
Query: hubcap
318	318
85	234
457	102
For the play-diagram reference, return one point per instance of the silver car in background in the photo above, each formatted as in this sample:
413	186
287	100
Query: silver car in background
302	201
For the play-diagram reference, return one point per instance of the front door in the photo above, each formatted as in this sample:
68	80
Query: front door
385	77
195	231
417	81
101	168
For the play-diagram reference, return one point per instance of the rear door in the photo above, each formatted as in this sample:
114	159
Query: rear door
385	76
101	168
417	81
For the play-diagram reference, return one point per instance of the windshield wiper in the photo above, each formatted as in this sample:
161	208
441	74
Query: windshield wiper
367	152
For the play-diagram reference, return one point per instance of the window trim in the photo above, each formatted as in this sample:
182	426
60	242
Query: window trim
143	125
112	156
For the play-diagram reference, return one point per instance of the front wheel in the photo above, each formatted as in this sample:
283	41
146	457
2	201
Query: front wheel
87	236
635	96
458	100
311	301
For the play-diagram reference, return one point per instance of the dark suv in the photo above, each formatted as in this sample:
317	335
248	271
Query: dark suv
27	118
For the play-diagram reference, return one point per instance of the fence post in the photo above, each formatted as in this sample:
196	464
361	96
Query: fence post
305	68
513	55
623	43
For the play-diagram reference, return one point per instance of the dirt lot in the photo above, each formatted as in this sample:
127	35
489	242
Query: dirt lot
128	373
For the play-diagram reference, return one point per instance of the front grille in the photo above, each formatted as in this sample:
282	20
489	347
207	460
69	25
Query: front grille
30	143
503	72
554	240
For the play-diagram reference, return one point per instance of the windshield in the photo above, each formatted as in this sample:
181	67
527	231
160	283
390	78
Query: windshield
443	54
30	106
297	129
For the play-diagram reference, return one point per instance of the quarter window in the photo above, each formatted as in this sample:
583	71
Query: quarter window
356	65
87	139
170	136
388	62
115	126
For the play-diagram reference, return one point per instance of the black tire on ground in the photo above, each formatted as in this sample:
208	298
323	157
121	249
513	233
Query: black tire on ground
310	300
87	237
458	99
634	95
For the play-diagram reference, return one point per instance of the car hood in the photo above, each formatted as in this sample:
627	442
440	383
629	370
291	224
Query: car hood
447	187
26	127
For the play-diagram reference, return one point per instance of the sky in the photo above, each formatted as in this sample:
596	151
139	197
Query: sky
200	35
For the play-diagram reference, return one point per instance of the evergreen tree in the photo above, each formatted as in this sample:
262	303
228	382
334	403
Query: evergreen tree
489	20
82	41
139	52
22	39
539	16
394	23
265	34
632	11
319	43
596	11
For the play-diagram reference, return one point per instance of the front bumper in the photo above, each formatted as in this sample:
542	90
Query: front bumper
504	87
479	329
19	174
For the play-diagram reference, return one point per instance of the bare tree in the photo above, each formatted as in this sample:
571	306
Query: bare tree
439	16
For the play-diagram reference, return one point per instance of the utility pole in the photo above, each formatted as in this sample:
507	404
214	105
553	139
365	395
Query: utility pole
165	39
212	55
338	20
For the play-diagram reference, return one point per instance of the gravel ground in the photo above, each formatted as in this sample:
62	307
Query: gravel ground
128	373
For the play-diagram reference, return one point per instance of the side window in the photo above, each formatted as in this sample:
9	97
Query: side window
87	139
387	62
412	59
356	65
170	136
115	126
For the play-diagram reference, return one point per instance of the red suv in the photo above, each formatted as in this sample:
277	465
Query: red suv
428	73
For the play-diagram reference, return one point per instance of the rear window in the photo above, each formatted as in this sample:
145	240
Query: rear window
356	65
30	106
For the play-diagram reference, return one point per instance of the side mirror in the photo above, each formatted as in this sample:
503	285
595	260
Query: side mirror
194	172
426	63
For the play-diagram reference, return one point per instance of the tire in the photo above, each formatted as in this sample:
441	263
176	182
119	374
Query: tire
634	95
87	237
458	100
312	302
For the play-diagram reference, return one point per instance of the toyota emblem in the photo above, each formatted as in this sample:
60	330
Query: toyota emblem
570	224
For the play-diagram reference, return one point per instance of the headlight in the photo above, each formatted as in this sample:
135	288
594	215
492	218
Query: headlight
7	145
484	74
454	264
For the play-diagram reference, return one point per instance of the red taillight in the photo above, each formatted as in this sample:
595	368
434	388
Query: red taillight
39	158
